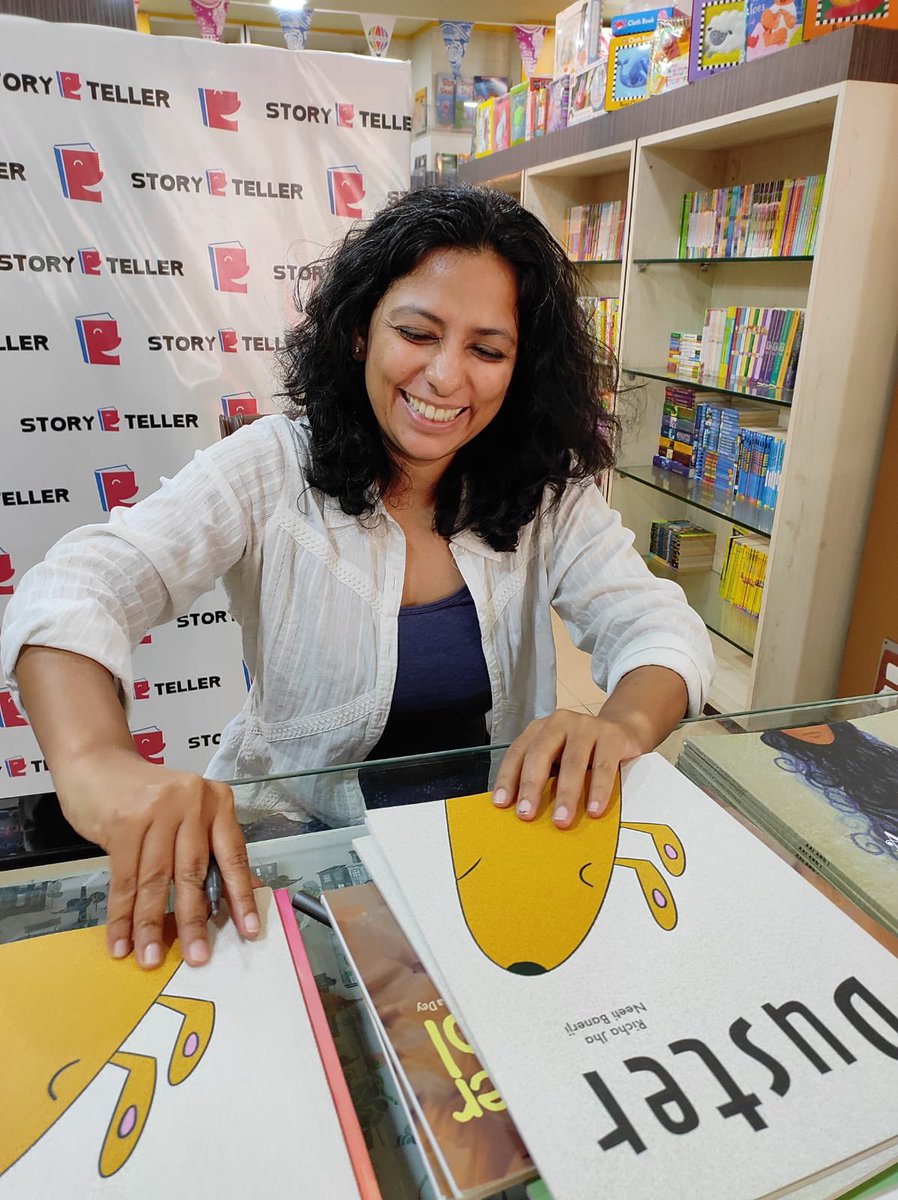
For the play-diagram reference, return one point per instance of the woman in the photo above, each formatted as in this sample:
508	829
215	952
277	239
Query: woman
449	429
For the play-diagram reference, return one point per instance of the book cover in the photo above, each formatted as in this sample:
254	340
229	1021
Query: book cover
486	86
822	16
828	790
718	36
464	102
669	55
501	123
471	1131
587	97
419	112
628	69
444	101
557	104
483	129
570	39
167	1082
658	974
517	114
772	25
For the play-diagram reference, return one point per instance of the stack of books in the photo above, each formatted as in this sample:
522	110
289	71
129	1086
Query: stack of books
743	346
684	351
675	445
754	220
618	983
825	792
717	443
744	570
602	315
682	546
595	232
759	463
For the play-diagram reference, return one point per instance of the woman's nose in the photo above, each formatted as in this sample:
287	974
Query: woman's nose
445	370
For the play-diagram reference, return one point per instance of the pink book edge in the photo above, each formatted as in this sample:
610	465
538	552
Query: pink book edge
346	1114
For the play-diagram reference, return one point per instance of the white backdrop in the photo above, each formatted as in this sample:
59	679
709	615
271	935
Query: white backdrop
160	199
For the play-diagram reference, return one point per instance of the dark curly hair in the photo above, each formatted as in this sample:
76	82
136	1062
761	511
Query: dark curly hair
554	425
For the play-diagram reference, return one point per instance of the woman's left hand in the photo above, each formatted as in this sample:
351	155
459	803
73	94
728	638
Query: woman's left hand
576	742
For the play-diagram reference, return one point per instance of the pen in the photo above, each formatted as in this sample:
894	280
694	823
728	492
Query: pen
304	903
212	885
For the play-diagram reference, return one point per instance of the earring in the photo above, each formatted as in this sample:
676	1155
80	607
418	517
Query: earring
357	349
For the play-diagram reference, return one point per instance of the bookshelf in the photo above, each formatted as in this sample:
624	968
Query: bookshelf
836	412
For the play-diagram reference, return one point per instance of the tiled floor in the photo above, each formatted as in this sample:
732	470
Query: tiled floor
575	686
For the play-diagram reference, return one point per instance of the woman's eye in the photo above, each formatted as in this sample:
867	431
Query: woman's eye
489	353
415	335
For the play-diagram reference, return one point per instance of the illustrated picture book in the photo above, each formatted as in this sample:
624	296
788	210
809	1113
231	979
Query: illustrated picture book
829	793
176	1082
633	986
477	1146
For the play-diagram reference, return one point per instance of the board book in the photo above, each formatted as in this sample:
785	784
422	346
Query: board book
677	1030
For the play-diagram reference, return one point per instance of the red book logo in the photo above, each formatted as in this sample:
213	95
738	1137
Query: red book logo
79	171
15	767
10	717
69	84
229	265
89	260
117	487
98	338
345	115
141	689
345	188
7	570
109	419
218	107
239	402
227	339
217	183
149	743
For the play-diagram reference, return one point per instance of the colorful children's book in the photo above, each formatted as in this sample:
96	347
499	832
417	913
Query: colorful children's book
464	102
419	111
628	69
577	32
772	25
822	16
173	1082
558	96
444	101
826	791
672	954
483	129
517	113
501	118
471	1133
718	36
669	55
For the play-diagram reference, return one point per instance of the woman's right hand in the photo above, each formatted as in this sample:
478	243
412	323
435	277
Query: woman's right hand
158	826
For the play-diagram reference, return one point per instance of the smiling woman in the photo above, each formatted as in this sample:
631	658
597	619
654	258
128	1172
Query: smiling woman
392	547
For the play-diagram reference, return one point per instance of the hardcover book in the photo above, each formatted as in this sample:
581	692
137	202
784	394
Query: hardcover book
772	25
718	36
444	101
679	1032
628	69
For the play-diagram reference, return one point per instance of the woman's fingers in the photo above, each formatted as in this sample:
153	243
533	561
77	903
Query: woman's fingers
124	859
229	848
576	757
191	907
604	772
154	876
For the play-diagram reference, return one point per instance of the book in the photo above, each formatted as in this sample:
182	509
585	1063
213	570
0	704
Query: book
419	112
517	114
487	86
150	1080
471	1133
628	69
483	129
822	16
669	55
501	117
718	36
657	990
577	36
464	102
772	25
444	101
827	792
557	102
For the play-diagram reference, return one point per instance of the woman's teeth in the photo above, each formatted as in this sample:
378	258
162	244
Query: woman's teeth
428	410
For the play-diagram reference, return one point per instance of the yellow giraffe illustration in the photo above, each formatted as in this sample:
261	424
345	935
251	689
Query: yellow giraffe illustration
530	893
66	1009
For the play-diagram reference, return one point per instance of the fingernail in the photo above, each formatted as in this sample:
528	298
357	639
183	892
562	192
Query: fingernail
560	815
251	924
121	948
524	807
594	809
198	952
500	796
152	955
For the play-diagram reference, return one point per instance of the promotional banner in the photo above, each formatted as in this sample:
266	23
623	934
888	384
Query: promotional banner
378	29
163	205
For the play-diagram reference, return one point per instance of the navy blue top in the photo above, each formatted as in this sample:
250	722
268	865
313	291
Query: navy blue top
442	690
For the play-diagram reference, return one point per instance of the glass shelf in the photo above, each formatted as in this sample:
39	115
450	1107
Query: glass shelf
702	590
746	391
702	495
596	262
742	258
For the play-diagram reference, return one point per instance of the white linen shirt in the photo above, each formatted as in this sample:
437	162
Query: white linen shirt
317	594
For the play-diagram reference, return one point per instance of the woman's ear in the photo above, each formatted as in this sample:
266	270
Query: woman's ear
359	346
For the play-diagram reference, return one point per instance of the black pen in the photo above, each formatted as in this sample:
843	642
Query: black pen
307	905
212	886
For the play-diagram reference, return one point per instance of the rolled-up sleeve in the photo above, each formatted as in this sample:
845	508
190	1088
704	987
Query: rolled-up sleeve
614	608
101	587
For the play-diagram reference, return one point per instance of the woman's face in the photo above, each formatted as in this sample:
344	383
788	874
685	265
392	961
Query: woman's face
817	735
440	353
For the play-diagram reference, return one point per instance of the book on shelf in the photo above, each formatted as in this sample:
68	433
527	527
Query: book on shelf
419	111
595	232
487	86
444	100
682	546
772	25
602	313
744	569
776	218
478	1149
628	69
718	37
823	16
578	31
676	444
738	448
483	128
464	102
500	118
669	54
623	1022
558	95
750	347
825	791
684	352
121	1076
